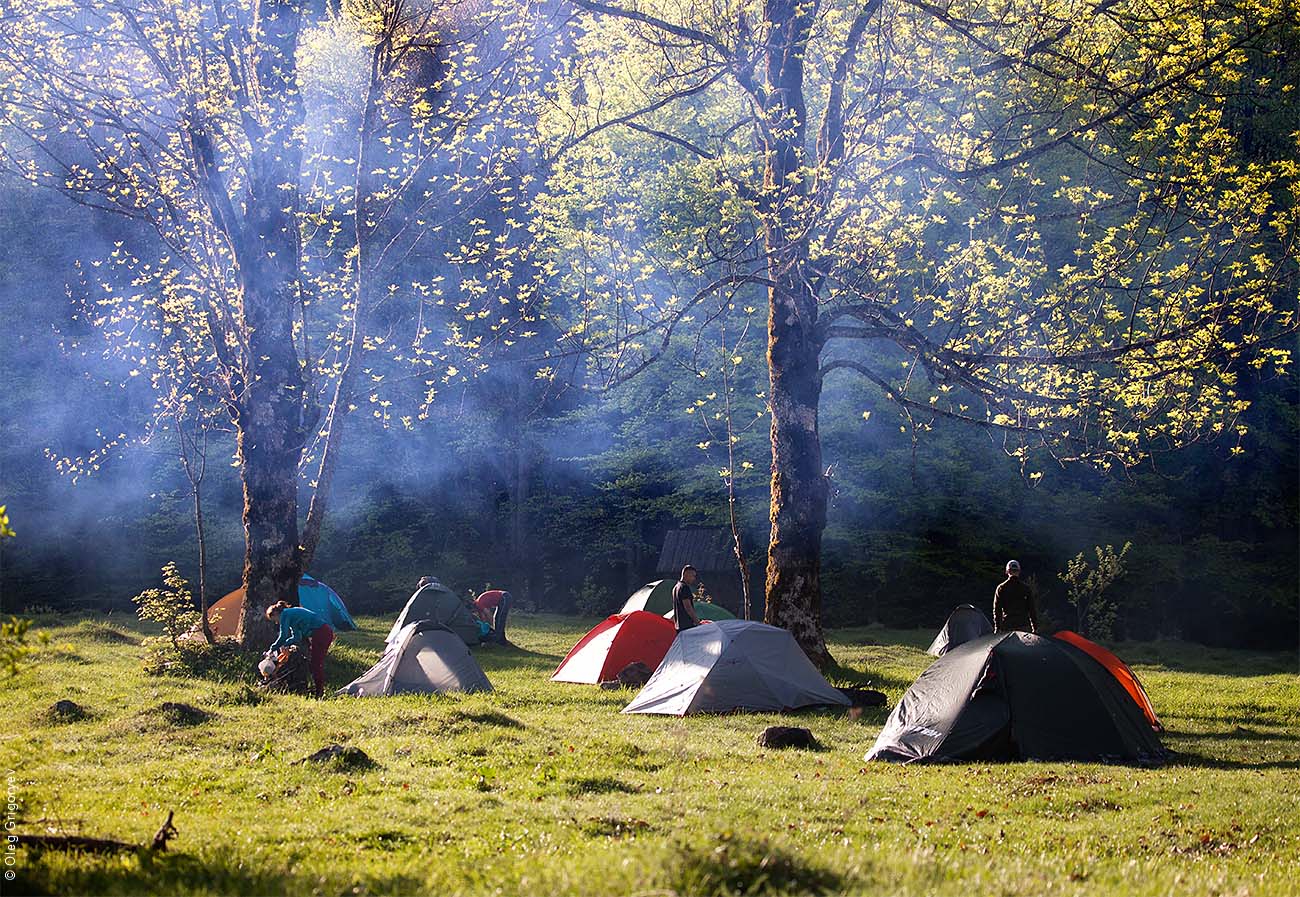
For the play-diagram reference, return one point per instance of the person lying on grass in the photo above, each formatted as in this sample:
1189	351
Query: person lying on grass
298	626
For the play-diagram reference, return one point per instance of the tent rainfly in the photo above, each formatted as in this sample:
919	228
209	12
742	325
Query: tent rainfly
1119	669
964	623
657	598
425	658
615	642
436	603
1016	696
734	665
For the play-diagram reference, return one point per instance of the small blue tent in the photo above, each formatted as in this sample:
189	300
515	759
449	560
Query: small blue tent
323	601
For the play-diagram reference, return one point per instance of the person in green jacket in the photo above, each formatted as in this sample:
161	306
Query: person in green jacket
299	626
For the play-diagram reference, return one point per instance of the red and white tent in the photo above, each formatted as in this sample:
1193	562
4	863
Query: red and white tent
613	644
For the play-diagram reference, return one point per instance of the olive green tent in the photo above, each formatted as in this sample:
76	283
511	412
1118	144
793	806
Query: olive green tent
657	598
436	603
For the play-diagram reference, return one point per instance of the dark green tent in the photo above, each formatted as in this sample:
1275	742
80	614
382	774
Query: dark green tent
657	598
1016	696
965	623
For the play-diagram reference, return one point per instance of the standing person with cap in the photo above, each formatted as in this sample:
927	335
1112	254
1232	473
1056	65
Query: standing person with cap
1013	603
684	616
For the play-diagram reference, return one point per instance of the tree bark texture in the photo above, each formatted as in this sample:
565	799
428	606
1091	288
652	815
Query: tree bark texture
271	407
798	492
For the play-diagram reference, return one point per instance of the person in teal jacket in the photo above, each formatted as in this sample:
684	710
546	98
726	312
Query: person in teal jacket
299	626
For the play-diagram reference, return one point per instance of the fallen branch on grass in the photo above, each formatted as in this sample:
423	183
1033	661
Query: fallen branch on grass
98	845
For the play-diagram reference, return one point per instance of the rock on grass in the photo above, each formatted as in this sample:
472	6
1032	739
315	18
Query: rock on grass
340	757
787	737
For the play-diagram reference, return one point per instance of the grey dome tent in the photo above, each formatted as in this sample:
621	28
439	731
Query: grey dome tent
964	623
424	659
1016	696
436	603
734	665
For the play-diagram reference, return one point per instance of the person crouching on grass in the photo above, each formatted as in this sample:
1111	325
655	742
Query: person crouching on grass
299	625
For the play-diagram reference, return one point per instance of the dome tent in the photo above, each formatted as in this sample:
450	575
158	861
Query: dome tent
614	643
734	665
964	623
436	603
320	599
1117	668
1016	696
657	598
425	658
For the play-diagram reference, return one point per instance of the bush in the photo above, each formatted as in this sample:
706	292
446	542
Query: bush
1088	585
592	600
14	647
172	606
195	658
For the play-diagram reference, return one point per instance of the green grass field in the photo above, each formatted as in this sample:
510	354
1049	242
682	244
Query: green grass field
543	788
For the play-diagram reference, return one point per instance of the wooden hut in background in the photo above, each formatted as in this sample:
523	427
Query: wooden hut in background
711	551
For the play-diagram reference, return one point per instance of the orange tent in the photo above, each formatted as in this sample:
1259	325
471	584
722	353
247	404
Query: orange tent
223	615
1119	669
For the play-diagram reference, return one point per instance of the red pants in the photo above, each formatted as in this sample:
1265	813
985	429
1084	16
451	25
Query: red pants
321	640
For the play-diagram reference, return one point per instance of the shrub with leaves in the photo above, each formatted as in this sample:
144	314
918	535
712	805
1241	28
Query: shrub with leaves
14	646
224	662
1087	586
5	531
171	606
592	599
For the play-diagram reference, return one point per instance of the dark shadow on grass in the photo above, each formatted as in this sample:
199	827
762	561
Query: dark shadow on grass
1186	657
486	718
838	674
614	827
1238	733
1200	761
497	657
734	864
342	668
155	873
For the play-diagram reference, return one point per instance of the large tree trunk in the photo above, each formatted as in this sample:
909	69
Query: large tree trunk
272	407
799	491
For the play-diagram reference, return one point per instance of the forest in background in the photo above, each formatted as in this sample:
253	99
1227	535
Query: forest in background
912	531
559	477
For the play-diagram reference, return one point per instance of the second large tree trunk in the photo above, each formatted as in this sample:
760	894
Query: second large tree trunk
271	407
799	492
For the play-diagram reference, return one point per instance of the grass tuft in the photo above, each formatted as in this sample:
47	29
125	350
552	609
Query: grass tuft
98	632
614	827
237	695
176	713
600	785
63	711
